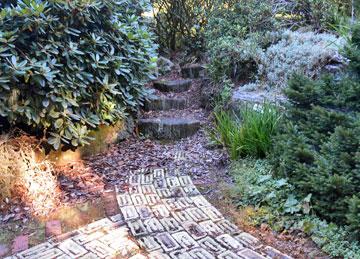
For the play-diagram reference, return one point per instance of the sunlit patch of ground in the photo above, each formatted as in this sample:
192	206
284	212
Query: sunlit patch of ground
71	218
77	216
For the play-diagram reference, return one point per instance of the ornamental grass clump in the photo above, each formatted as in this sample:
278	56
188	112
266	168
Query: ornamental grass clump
250	133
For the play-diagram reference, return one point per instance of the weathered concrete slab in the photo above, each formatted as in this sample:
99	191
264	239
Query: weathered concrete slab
162	103
168	128
193	71
176	86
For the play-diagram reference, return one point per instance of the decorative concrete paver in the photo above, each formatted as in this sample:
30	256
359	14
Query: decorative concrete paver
162	215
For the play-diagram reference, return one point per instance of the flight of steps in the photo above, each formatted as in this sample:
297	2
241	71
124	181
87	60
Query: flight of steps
171	127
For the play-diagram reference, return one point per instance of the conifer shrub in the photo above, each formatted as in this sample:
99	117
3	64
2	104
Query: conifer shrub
68	66
319	149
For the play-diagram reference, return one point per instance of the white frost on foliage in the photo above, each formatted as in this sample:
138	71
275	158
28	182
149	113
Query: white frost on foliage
299	52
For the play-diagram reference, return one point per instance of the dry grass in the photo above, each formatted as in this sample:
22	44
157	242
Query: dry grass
23	177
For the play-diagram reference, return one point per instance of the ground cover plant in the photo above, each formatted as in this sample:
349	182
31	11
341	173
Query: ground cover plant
68	66
268	199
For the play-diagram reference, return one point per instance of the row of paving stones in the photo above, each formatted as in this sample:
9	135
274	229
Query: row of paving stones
162	215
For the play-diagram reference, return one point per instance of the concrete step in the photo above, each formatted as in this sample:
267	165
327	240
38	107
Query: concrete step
193	71
160	103
168	128
176	86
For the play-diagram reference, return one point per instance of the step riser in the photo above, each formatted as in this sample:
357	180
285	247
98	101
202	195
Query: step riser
167	131
193	72
165	104
176	86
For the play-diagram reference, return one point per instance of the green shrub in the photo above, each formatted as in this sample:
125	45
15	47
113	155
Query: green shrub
179	25
235	34
249	135
68	66
318	151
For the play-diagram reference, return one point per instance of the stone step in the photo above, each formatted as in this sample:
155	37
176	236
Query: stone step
157	103
168	128
176	86
193	71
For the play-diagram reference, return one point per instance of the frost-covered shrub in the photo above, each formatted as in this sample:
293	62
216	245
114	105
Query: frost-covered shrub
301	52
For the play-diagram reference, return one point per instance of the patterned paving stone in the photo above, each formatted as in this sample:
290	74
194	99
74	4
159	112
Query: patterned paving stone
212	213
148	189
86	238
248	240
171	225
161	211
172	182
211	228
153	225
158	255
228	255
162	216
210	245
144	211
197	214
167	242
185	181
195	230
36	251
135	189
124	200
129	213
201	253
250	254
185	240
71	248
147	179
149	243
138	199
273	253
229	242
191	191
181	216
153	199
227	227
137	228
100	249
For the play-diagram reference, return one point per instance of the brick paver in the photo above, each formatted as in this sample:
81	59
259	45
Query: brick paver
162	215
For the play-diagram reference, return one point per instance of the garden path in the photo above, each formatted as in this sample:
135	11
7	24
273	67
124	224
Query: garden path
159	213
162	215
